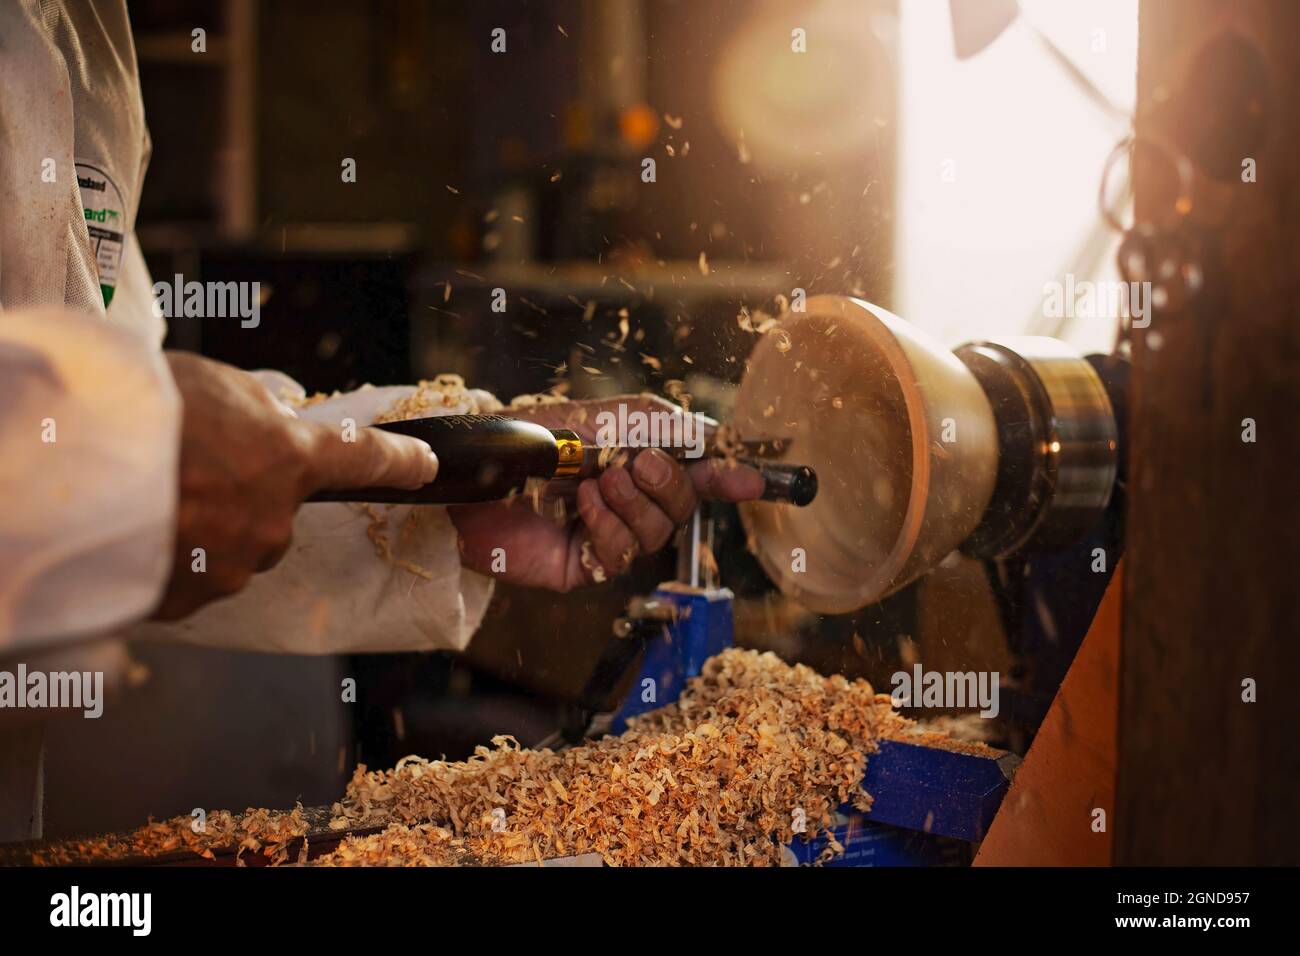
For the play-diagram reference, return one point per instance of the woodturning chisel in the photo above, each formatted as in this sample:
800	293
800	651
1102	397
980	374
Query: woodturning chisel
490	457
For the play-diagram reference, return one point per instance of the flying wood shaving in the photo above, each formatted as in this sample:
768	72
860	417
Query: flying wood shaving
746	321
624	327
727	442
676	390
553	397
587	558
612	456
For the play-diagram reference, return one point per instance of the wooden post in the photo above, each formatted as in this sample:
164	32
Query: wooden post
1212	597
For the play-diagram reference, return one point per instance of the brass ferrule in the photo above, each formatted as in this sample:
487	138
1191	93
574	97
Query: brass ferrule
569	446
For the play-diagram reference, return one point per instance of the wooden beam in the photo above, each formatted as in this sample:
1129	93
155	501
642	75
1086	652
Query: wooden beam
1213	554
1049	816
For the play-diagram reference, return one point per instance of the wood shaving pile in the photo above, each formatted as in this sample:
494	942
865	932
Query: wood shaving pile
714	779
424	844
268	832
444	395
942	739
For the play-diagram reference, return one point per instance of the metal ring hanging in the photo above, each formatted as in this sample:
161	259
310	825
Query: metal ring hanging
1127	146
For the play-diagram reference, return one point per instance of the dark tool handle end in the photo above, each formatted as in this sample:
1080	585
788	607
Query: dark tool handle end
796	484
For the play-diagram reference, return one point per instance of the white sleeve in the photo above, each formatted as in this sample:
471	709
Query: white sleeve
356	578
89	434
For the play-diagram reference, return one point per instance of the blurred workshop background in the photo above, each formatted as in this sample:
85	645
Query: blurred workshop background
858	167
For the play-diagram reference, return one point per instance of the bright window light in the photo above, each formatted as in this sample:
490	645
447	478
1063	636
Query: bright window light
1000	162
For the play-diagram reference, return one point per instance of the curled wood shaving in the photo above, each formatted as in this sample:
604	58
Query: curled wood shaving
377	532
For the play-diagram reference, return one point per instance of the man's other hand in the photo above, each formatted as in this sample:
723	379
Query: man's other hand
628	511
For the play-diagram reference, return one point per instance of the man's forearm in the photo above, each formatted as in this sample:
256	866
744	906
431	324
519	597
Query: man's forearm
89	421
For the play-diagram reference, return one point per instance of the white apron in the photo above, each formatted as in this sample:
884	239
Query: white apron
89	416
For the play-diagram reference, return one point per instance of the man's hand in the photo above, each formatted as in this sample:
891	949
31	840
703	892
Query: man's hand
246	464
625	512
